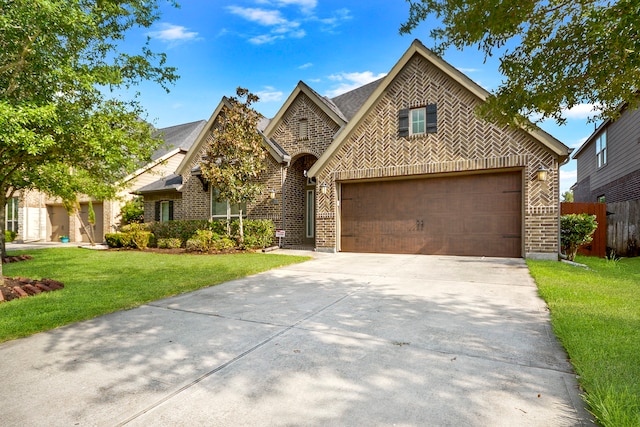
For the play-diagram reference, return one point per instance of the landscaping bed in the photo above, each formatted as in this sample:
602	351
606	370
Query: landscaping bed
22	287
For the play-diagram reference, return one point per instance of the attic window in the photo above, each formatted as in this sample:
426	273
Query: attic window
303	129
417	121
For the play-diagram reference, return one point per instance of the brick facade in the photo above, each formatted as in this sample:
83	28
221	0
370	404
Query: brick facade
306	128
463	143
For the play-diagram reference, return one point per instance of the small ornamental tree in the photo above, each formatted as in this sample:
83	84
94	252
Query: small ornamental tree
234	155
576	230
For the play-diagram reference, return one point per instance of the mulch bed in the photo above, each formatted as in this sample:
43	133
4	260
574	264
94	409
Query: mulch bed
22	287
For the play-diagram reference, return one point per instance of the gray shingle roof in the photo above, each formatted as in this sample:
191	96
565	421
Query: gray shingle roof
168	183
178	137
349	103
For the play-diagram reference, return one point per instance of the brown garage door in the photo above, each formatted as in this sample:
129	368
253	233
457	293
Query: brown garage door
478	215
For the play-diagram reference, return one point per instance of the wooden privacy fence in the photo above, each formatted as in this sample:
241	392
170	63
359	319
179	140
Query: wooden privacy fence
598	246
623	229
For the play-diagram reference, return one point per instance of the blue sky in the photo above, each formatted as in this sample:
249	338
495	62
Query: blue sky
268	46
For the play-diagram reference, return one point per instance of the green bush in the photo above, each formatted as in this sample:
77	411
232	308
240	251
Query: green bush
178	229
223	244
169	243
118	240
576	230
140	239
258	233
201	241
133	211
9	236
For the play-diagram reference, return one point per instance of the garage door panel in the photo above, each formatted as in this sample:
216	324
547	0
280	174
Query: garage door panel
463	215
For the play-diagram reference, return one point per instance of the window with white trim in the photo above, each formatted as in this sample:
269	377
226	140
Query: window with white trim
418	121
601	149
165	211
224	210
11	215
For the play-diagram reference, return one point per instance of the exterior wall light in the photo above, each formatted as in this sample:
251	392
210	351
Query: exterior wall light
272	194
324	188
542	174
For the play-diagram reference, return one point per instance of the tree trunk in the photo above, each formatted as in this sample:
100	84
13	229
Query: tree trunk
241	239
3	249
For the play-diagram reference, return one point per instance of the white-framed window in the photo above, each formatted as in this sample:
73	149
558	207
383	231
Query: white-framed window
223	210
601	149
165	211
11	215
418	120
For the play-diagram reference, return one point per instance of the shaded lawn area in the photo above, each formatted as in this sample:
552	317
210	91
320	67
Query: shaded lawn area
101	282
596	316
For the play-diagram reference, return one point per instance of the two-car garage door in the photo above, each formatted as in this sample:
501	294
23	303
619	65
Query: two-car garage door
478	215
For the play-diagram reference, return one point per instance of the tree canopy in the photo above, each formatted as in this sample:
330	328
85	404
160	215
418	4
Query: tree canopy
63	130
566	52
234	154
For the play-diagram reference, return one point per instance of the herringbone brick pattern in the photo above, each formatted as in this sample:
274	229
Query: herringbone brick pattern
462	143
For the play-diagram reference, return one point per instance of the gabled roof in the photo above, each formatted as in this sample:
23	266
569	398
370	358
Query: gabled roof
378	87
176	139
274	149
325	104
171	182
349	103
179	137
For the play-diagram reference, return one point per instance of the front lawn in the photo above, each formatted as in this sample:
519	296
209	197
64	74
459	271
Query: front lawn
596	315
100	282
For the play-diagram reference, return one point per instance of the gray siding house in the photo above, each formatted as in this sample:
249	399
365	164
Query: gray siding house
609	161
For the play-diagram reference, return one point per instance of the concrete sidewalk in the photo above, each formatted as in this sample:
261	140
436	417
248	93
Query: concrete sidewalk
344	339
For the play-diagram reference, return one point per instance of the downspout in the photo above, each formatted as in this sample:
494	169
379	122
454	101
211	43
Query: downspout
283	170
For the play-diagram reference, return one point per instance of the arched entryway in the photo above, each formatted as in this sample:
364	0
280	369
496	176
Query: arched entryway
300	204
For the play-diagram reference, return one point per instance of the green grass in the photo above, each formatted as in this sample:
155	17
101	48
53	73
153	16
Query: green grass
596	316
100	282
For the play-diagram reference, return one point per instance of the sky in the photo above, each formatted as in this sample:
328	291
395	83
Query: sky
268	46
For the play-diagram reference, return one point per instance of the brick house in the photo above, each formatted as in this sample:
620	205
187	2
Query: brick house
36	217
400	165
608	163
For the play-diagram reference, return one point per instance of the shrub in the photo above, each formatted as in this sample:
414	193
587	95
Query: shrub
258	233
576	230
118	240
178	229
169	243
140	239
201	241
133	211
223	244
9	236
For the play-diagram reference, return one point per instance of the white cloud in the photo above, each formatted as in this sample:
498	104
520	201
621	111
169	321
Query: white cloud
579	142
272	14
270	94
468	70
350	81
581	111
173	34
305	66
281	27
259	16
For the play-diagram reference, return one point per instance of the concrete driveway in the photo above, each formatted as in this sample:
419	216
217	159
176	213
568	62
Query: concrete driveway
344	339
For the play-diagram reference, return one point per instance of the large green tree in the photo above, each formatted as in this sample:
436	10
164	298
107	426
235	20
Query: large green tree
555	54
63	129
235	156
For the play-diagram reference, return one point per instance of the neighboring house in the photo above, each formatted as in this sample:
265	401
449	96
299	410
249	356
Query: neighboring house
401	165
36	217
608	167
608	163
